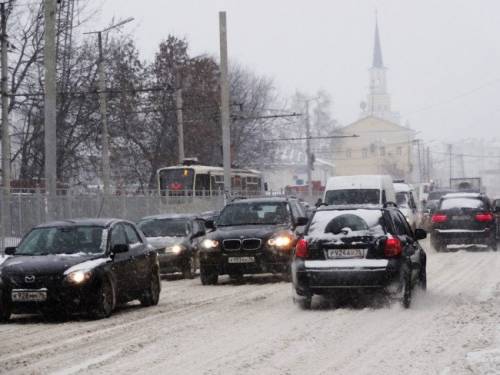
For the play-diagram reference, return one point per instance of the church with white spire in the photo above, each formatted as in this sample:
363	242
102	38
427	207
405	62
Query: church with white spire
378	101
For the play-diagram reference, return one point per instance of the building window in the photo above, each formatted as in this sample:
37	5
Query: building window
365	153
382	151
348	153
399	151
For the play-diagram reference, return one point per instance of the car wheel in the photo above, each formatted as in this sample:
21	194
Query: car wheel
406	287
423	277
5	308
105	300
208	275
151	296
304	302
187	271
494	244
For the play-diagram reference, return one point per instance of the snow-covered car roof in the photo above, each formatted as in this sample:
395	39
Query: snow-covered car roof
462	195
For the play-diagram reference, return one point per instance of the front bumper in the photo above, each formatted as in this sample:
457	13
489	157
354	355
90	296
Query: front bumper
318	277
171	262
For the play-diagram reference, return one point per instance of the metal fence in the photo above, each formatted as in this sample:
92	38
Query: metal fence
26	210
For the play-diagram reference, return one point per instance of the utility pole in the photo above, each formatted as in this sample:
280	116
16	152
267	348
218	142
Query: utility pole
5	128
103	106
419	161
225	118
429	166
308	151
180	122
50	102
450	149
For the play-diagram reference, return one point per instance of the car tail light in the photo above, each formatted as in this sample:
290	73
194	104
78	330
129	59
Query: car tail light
439	218
392	247
484	217
302	248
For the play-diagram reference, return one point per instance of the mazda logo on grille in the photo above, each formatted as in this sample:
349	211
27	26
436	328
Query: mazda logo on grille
29	279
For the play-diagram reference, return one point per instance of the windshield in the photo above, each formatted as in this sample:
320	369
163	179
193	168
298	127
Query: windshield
450	203
264	213
352	196
176	179
346	223
64	240
402	199
165	227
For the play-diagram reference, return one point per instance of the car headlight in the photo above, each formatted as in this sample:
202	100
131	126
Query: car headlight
176	249
280	241
209	244
78	277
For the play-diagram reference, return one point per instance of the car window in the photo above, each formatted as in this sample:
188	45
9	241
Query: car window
450	203
353	196
132	236
118	236
401	226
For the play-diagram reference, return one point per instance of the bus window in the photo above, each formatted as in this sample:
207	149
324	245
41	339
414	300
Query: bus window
236	182
176	180
202	184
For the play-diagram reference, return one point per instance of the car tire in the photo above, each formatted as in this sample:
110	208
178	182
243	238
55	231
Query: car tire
208	275
494	244
106	300
423	277
189	269
5	308
406	287
151	296
304	302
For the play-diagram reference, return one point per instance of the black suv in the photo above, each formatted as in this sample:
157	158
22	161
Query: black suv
176	239
87	265
463	219
251	236
353	248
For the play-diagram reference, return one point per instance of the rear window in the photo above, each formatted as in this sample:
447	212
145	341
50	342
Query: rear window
352	196
450	203
346	223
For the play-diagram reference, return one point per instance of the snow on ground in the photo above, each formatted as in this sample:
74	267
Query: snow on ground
255	328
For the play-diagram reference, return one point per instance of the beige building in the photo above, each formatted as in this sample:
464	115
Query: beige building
382	146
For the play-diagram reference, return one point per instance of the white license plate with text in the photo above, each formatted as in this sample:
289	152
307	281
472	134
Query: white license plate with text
18	295
345	253
241	260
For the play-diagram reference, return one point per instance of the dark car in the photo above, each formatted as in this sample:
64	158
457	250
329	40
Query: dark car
251	236
464	219
348	248
175	238
81	265
431	205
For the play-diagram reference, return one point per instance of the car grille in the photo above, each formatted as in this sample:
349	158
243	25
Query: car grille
40	281
232	245
251	244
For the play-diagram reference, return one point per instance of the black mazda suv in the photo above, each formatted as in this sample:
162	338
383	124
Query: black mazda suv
463	219
81	265
251	236
354	248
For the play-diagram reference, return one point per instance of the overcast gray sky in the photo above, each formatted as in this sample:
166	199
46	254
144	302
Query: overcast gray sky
443	55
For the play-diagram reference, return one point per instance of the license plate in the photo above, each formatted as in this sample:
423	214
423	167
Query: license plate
241	260
29	295
460	218
345	253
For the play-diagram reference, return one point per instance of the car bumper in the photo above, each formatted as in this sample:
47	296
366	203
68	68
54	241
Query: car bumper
170	262
317	277
462	236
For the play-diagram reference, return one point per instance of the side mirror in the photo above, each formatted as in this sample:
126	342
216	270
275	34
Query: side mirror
10	250
209	224
497	209
119	248
420	234
301	221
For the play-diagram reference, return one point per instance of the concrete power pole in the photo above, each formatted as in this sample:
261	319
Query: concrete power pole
180	121
308	151
225	118
104	119
50	100
450	149
5	129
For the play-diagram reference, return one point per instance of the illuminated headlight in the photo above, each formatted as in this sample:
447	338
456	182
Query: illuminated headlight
176	249
209	244
280	241
78	277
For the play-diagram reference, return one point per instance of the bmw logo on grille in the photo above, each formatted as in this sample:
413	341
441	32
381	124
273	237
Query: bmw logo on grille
29	279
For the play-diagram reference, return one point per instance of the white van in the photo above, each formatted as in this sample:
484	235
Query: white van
405	198
360	189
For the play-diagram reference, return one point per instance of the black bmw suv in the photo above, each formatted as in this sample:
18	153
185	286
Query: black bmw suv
251	236
81	265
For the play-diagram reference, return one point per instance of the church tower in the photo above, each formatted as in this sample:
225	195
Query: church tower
378	101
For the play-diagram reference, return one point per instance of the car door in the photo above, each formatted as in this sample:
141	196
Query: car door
140	257
123	266
411	247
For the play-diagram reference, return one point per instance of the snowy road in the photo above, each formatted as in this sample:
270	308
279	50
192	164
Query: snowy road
254	328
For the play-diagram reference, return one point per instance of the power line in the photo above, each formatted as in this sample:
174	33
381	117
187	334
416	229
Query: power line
310	138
